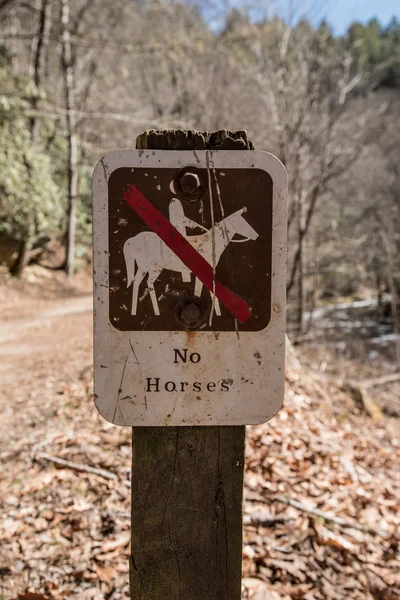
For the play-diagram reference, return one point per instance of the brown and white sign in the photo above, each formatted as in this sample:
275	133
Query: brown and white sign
190	268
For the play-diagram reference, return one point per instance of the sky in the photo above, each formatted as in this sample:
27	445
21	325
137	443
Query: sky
340	13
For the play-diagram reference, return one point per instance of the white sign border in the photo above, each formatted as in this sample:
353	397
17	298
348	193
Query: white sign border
254	361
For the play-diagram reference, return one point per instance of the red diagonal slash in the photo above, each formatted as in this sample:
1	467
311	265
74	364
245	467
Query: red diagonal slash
188	255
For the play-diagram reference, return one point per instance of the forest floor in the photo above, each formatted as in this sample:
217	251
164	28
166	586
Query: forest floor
322	482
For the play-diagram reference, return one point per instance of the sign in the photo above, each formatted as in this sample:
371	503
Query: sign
190	270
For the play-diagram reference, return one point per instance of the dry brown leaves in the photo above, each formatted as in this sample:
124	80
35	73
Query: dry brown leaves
65	534
320	452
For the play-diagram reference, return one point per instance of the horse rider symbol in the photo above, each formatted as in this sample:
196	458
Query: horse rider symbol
151	255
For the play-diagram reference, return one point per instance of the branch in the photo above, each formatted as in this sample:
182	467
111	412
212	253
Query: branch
322	515
382	381
120	47
78	466
302	233
262	518
348	88
60	112
79	17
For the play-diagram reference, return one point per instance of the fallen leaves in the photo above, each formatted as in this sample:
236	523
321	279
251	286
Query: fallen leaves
256	589
321	496
106	574
119	542
326	537
332	487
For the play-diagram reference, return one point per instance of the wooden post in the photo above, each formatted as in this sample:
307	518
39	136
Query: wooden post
187	482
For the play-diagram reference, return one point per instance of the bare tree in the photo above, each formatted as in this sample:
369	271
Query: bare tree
68	74
306	88
39	60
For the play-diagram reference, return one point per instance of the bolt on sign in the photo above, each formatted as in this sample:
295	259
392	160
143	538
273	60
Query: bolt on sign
189	272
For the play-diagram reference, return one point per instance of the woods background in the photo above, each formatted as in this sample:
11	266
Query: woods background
80	78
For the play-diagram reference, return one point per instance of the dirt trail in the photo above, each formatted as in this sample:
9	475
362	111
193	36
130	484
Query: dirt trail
53	342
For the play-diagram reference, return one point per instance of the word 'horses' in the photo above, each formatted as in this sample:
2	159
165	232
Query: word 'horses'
151	255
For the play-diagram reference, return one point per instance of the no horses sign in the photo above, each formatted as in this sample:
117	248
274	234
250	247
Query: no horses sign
189	259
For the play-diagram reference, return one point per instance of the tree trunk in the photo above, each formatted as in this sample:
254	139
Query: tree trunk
387	244
39	61
28	235
10	25
68	72
301	300
22	258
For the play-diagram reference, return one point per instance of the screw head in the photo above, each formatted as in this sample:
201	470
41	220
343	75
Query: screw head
190	313
190	182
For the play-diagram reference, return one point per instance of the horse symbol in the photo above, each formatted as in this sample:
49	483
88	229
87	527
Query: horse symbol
151	255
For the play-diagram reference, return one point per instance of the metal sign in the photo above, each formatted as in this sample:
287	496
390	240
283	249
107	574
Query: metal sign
190	269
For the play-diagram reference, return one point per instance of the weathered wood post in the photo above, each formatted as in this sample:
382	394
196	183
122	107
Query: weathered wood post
187	482
189	342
